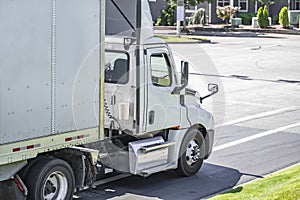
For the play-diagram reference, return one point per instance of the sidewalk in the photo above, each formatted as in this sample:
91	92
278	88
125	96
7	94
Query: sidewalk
219	30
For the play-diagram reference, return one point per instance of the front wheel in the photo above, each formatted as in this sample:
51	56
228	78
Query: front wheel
50	178
191	154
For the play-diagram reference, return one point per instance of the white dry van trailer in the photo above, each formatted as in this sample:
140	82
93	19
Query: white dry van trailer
86	89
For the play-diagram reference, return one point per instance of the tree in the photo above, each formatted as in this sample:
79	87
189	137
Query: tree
194	2
266	16
262	17
226	13
167	17
198	17
266	2
284	17
188	3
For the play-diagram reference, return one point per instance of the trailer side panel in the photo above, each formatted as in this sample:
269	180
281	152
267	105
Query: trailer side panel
25	35
50	67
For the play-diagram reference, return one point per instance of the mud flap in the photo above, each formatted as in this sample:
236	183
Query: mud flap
10	190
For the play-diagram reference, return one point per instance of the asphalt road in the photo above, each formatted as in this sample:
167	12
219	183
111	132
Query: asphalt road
257	114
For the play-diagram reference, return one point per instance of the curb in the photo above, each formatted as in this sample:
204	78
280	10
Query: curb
192	42
258	30
225	31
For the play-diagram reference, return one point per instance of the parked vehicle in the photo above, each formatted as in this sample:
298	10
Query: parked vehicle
84	93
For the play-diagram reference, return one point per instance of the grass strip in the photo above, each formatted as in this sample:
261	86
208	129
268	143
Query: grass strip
181	39
282	185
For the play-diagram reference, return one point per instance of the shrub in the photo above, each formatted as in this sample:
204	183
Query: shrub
266	15
284	17
246	18
198	17
167	17
262	17
226	13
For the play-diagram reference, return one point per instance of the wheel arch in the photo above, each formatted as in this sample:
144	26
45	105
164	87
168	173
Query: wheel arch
182	167
208	135
178	135
208	138
81	162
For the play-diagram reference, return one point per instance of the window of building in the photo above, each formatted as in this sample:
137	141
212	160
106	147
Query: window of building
223	3
160	70
243	4
116	67
297	4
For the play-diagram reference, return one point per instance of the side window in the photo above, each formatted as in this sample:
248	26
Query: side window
160	70
116	67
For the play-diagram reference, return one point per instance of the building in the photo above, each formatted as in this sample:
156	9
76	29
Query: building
246	6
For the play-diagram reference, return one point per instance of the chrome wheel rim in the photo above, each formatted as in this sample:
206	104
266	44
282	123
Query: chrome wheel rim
192	152
55	187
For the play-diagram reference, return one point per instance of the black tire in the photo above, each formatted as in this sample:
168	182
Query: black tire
193	139
50	178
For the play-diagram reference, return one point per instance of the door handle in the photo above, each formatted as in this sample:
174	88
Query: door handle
151	116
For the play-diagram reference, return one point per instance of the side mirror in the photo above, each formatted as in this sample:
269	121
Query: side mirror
184	77
184	73
213	88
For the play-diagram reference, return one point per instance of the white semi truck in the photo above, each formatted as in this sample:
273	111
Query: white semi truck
86	89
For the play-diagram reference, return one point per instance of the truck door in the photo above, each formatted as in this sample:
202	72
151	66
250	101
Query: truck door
118	96
163	107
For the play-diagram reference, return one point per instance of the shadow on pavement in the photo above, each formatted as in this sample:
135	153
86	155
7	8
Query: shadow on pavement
223	34
209	180
237	34
247	78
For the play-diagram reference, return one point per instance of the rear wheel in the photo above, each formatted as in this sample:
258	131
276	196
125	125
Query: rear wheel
192	151
50	178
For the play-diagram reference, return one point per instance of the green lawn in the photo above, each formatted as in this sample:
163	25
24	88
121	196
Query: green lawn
181	39
282	185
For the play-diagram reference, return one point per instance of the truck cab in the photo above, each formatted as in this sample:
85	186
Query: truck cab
164	97
91	92
147	100
152	82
